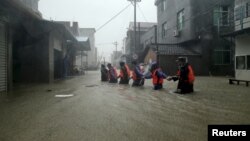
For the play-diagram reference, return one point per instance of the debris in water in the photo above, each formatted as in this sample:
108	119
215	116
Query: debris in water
66	95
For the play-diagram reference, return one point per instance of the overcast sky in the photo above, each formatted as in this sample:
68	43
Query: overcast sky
94	13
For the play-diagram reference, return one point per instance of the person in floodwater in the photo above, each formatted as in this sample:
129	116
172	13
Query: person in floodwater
137	76
112	74
104	73
124	73
157	76
185	75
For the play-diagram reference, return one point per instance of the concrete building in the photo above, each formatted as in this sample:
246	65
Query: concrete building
141	28
32	49
147	39
91	59
32	4
194	26
240	28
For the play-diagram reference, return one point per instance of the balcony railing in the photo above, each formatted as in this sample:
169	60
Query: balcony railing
235	21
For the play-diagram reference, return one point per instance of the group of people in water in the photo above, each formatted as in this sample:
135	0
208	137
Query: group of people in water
185	75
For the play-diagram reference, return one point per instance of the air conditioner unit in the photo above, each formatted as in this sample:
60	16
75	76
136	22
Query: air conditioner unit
176	33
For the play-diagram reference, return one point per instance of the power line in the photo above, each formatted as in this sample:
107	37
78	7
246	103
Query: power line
113	18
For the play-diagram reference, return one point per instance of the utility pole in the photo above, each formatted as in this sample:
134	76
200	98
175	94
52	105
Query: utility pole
115	43
157	47
135	1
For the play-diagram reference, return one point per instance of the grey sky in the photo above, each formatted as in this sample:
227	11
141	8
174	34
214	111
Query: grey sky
94	13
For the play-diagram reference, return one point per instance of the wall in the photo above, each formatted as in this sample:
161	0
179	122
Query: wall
151	56
57	54
170	15
31	61
148	37
199	34
242	49
169	65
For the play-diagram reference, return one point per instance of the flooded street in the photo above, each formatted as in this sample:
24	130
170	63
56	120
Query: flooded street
96	111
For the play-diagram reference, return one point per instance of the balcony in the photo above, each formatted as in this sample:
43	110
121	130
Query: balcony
238	22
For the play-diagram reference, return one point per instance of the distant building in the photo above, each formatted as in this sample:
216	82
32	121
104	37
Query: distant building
80	57
147	39
91	60
141	28
116	58
71	26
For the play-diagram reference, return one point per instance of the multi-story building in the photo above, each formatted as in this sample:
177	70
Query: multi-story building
141	28
147	39
191	28
91	59
240	29
32	4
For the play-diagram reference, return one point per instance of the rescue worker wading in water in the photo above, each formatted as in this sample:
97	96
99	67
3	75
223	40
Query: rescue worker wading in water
157	76
104	73
124	73
137	76
112	73
185	75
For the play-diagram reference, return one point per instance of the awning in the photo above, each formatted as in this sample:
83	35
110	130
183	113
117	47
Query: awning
83	43
171	49
39	28
176	50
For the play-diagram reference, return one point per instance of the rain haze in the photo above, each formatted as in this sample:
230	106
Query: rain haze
95	13
78	70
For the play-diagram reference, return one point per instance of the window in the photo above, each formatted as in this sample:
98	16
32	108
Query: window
180	20
240	62
237	13
163	5
222	56
247	10
164	29
221	16
248	62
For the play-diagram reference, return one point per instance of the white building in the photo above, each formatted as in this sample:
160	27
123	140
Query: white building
242	39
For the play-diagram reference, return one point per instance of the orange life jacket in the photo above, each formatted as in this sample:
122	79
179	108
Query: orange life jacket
155	78
134	77
191	76
127	70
